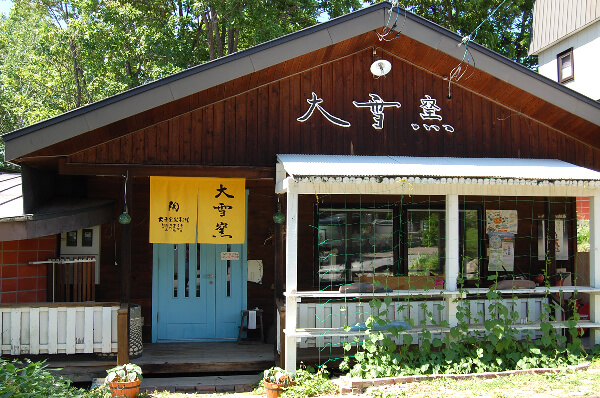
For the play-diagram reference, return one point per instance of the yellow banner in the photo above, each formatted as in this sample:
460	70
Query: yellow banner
222	210
197	210
173	209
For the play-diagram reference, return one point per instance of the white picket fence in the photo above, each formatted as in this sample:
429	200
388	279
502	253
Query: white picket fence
58	329
335	315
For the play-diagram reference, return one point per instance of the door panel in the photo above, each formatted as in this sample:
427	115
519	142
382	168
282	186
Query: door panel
198	296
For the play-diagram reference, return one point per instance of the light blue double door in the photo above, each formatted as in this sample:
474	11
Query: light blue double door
198	291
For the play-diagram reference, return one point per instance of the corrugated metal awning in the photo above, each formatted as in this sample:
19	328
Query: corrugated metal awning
299	166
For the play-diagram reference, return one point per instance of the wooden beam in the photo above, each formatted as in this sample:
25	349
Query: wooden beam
291	280
123	334
138	170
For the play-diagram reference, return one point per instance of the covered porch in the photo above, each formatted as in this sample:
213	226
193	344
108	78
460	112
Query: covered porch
321	317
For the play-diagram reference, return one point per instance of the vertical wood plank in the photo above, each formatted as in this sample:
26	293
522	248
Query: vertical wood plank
34	331
71	325
88	330
52	330
106	330
15	331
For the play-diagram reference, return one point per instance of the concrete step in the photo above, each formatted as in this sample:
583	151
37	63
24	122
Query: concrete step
203	384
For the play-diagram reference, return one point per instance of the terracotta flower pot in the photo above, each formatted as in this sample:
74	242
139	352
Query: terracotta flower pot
273	390
125	389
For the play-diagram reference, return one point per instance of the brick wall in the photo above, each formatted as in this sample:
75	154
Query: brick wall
583	208
21	282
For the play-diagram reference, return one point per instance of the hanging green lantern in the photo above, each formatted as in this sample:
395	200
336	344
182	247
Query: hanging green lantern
279	217
124	218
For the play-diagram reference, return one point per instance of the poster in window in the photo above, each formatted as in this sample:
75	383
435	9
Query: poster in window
501	221
501	252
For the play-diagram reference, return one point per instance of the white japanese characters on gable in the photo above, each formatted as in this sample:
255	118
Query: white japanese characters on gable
430	110
377	105
315	103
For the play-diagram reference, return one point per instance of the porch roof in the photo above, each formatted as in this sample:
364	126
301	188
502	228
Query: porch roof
446	167
61	215
350	174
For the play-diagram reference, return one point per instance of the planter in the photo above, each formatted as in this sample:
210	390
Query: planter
273	390
125	389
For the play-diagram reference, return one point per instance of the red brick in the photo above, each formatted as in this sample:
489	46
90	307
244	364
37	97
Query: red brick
41	282
9	285
8	297
26	271
48	244
9	271
27	297
27	284
10	257
41	296
26	257
10	245
28	244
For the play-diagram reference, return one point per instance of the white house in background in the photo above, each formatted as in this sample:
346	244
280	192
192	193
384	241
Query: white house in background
566	39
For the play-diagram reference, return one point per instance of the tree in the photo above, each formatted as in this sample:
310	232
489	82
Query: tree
57	55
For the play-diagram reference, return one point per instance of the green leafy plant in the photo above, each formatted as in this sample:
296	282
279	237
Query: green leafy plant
124	373
499	346
277	375
311	383
33	379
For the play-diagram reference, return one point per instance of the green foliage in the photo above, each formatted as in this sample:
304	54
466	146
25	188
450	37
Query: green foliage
583	235
507	31
32	379
57	55
458	350
311	384
124	373
278	375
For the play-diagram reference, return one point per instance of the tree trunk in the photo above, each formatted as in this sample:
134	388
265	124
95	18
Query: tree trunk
76	73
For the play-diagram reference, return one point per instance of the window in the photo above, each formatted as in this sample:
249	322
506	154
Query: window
351	242
565	66
381	242
424	248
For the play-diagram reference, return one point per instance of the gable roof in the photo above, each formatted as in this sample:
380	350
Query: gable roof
118	108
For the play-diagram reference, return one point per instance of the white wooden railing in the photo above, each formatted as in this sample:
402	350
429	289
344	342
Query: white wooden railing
58	328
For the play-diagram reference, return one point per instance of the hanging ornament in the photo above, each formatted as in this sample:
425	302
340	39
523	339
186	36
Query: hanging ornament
279	217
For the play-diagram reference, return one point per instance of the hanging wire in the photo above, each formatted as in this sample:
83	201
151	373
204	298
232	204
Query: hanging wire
388	30
457	73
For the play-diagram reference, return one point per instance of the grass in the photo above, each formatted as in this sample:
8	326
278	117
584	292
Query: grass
564	384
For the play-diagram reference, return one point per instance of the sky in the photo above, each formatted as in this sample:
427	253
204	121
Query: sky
5	6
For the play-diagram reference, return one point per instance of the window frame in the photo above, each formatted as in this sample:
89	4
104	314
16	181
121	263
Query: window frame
334	206
559	61
403	261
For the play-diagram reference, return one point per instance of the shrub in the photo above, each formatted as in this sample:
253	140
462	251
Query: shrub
33	379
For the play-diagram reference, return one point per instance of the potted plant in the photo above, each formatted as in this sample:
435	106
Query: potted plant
276	380
124	380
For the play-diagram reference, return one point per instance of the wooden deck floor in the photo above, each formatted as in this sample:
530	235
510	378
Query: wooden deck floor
173	358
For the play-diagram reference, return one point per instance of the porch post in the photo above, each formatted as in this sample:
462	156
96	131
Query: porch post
452	256
595	265
291	279
123	333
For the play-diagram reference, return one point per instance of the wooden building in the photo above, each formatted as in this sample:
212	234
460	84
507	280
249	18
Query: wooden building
414	160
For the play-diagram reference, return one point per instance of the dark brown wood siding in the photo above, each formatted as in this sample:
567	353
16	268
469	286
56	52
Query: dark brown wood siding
250	128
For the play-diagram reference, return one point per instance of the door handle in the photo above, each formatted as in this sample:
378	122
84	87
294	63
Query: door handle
210	276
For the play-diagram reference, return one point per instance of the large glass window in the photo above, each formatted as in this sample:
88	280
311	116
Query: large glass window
368	241
424	242
353	242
